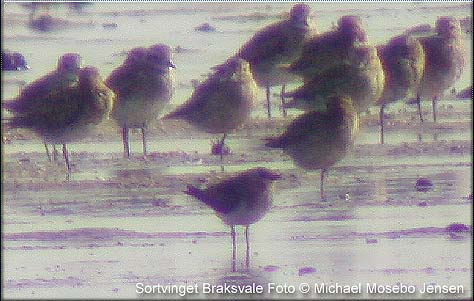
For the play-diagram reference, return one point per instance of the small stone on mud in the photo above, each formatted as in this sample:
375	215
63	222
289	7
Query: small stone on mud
270	268
306	270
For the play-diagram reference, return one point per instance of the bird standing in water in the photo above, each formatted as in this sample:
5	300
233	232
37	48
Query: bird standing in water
143	85
66	113
223	102
317	140
242	199
444	60
403	61
271	49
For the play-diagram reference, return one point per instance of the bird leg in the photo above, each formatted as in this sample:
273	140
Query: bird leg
221	150
234	250
323	170
126	147
144	140
55	153
283	104
434	102
269	109
381	117
66	159
418	102
47	151
247	254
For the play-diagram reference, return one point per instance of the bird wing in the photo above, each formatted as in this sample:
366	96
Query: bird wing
129	79
312	123
227	195
266	45
42	89
209	99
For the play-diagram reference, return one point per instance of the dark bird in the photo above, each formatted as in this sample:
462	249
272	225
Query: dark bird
13	61
360	77
325	50
66	75
66	113
276	46
242	199
403	61
223	102
444	59
143	84
317	140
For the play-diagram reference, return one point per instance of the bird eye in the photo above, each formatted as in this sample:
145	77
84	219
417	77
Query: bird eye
101	94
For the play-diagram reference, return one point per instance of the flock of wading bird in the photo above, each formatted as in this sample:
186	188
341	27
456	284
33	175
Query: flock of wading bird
342	74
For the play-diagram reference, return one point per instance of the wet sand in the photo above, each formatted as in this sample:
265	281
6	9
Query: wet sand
118	222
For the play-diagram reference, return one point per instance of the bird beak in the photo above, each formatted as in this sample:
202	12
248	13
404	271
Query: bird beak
171	65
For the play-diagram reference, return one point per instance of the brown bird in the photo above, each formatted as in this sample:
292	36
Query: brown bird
276	46
66	75
143	85
444	59
403	61
360	78
325	50
242	199
66	113
223	102
317	140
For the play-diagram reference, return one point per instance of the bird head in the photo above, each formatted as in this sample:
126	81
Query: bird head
69	62
102	97
299	15
159	55
448	27
136	56
351	27
363	56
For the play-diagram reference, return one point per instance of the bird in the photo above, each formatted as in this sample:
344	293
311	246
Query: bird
223	102
323	51
13	61
66	113
241	199
444	59
65	75
144	85
319	139
403	61
274	47
361	78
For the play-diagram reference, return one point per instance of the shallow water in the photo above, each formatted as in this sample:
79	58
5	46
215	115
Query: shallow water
118	222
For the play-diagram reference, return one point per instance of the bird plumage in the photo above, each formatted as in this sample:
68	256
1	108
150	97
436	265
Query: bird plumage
361	78
275	45
223	102
318	139
242	199
67	113
403	60
143	85
323	51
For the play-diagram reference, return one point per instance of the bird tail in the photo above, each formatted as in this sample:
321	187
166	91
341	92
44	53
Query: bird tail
176	114
272	142
193	191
